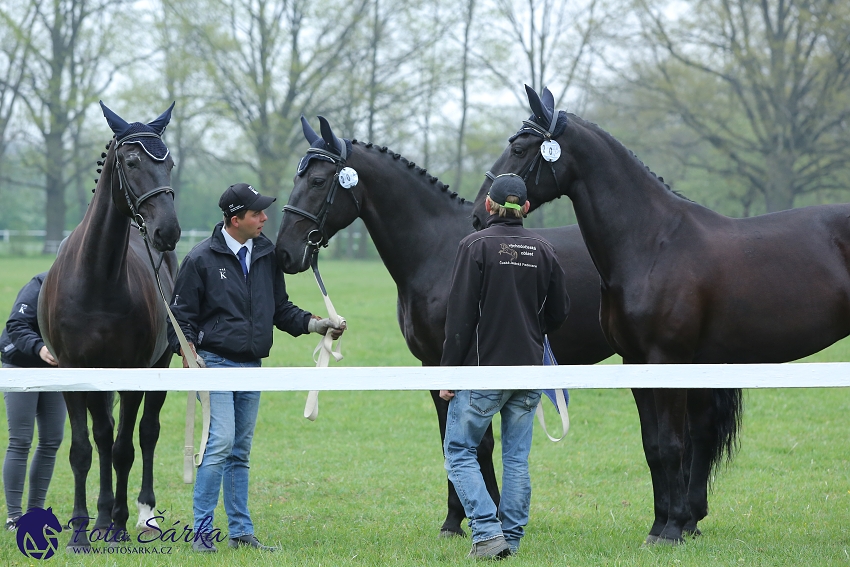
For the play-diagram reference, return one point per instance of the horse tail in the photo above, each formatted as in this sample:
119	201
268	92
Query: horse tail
728	408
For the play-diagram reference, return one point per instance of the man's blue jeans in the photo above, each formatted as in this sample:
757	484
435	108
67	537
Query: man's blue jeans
233	416
470	412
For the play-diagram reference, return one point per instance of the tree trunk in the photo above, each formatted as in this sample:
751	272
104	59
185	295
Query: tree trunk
55	192
779	190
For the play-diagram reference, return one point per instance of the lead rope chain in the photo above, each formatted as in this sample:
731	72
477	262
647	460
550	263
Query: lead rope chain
324	349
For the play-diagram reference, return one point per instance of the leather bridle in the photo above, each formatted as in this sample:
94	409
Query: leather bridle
317	237
134	201
525	172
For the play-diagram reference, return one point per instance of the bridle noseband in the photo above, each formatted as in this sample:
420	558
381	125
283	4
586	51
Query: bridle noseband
317	238
134	202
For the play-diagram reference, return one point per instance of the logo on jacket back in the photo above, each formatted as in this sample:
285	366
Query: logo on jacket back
23	308
221	272
509	251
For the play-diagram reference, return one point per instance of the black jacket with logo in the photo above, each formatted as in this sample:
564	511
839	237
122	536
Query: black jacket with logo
222	312
21	339
508	290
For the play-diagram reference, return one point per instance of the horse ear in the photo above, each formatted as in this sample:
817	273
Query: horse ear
540	113
309	133
160	123
328	136
115	122
548	100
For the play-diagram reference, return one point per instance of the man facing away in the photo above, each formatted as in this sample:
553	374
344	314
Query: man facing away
508	290
228	294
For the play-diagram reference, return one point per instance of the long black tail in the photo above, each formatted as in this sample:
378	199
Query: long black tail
728	409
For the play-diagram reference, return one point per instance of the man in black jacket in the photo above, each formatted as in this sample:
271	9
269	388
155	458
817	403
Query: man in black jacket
508	290
228	295
21	346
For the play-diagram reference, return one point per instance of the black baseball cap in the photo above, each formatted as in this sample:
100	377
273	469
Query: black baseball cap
243	197
508	184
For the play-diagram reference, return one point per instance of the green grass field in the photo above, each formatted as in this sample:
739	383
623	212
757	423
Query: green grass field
364	484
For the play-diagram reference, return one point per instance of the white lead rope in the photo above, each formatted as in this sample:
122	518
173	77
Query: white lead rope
190	458
324	350
562	409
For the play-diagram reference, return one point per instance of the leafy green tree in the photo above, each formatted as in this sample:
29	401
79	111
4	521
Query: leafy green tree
268	62
766	84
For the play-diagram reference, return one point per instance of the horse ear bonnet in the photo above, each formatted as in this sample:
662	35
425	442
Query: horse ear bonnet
148	136
327	141
543	109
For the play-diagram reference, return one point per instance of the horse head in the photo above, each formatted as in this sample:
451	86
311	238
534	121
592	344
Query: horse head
141	177
314	214
533	153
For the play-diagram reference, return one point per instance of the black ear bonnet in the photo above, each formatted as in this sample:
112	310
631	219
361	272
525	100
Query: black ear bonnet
327	142
543	121
148	136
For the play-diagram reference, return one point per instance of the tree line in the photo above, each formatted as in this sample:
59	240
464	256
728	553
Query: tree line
740	105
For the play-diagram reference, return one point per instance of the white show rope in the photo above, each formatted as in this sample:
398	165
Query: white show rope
562	410
324	350
190	458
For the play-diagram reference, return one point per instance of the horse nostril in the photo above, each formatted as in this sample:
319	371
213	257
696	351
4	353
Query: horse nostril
476	224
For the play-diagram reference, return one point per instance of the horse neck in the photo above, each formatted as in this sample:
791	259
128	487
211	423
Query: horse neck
621	208
104	232
414	223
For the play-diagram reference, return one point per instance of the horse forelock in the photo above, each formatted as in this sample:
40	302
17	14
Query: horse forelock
406	163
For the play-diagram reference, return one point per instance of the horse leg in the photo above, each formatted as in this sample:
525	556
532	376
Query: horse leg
148	437
456	514
645	402
700	421
671	405
123	455
80	456
100	408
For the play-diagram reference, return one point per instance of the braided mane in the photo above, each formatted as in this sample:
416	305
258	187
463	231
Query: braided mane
599	129
409	164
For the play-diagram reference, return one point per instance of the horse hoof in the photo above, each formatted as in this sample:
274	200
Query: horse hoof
668	542
77	548
446	533
695	532
650	539
149	532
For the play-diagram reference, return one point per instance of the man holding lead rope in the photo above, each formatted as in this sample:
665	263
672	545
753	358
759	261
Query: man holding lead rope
228	294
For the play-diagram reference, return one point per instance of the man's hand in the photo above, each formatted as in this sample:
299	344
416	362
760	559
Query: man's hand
322	326
447	394
194	354
47	357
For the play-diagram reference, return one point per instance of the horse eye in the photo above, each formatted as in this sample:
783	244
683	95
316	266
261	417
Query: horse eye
518	151
318	181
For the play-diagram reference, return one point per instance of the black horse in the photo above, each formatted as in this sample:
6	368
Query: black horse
100	307
416	225
682	284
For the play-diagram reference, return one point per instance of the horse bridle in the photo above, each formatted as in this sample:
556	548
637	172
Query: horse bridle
317	238
134	202
525	173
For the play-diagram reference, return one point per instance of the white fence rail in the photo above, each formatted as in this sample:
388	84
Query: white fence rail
797	375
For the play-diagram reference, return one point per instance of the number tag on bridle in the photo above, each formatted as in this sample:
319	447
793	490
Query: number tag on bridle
551	150
347	178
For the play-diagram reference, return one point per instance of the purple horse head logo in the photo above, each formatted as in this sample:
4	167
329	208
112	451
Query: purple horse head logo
38	533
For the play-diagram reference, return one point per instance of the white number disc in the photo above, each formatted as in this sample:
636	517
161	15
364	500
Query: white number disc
551	150
348	178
